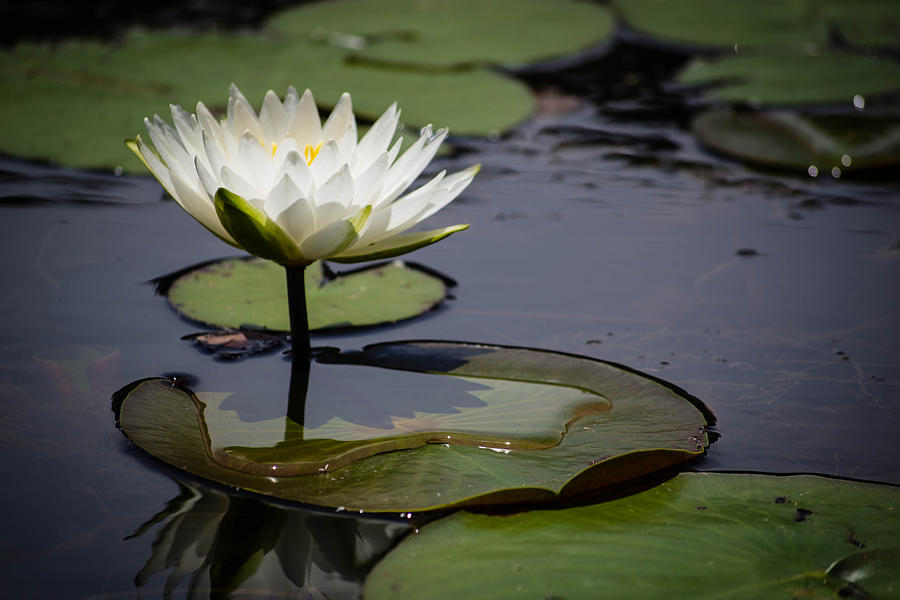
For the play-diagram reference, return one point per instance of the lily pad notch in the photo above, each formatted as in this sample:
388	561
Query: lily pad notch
245	293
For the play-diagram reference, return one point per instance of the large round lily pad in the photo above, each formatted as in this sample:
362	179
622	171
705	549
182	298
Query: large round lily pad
238	292
794	78
711	23
76	102
463	424
699	535
755	25
835	145
451	33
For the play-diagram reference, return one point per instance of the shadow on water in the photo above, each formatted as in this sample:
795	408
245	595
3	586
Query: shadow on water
598	228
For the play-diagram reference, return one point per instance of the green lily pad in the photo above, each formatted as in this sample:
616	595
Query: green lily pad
483	425
833	145
698	535
715	24
802	25
864	22
451	33
794	78
238	292
76	102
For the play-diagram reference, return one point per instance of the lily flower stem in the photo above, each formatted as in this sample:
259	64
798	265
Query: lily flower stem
297	309
300	348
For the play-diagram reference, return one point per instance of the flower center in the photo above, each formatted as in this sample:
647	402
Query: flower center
310	152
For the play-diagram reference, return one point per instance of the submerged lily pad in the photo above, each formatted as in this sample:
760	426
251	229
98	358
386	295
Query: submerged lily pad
698	535
451	33
794	78
238	292
527	426
833	145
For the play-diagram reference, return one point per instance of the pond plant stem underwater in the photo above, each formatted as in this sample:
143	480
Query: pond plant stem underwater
300	347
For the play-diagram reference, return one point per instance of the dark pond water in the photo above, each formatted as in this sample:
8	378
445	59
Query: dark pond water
776	300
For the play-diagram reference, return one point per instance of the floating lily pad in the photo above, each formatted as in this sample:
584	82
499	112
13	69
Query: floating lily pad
764	24
238	292
76	102
451	33
715	24
698	535
834	145
794	78
526	426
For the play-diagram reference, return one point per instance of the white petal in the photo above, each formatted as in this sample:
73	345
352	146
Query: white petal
376	140
368	185
215	158
402	214
283	194
188	129
291	99
411	164
238	185
210	126
326	163
450	188
297	217
255	163
331	239
159	170
341	127
333	198
295	166
200	207
340	119
305	126
162	142
272	118
210	184
347	144
241	116
395	150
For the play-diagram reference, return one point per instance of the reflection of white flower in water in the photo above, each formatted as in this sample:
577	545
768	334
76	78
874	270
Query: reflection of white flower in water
237	547
288	188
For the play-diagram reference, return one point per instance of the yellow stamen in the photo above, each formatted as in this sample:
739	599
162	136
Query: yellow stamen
310	152
274	148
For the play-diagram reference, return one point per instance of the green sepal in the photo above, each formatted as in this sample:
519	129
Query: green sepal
133	146
255	232
397	245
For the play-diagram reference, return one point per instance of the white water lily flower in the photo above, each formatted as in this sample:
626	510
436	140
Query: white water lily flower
286	187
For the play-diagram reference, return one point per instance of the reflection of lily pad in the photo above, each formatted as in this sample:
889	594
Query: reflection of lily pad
794	78
235	292
634	424
788	140
451	32
699	535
